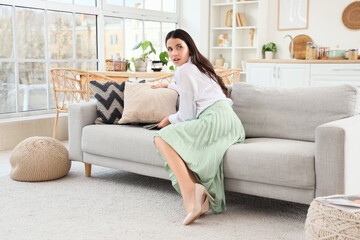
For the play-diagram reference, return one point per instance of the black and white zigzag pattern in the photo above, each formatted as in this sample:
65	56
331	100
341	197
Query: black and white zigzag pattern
110	100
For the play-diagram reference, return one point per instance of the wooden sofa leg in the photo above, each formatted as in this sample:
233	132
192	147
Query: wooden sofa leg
87	169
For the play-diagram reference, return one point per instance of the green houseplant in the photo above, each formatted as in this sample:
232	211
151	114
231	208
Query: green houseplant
140	62
164	58
269	49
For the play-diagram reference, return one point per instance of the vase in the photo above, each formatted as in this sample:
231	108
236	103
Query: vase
220	61
141	66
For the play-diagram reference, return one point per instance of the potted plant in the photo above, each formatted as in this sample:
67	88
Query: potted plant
269	50
140	63
164	58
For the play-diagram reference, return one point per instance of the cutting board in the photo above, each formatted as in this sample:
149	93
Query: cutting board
300	46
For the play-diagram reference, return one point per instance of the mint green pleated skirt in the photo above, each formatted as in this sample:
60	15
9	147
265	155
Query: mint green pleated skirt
202	143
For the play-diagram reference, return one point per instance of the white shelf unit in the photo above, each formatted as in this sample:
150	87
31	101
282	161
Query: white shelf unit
239	48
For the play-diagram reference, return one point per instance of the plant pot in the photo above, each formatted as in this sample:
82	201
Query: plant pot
141	66
269	55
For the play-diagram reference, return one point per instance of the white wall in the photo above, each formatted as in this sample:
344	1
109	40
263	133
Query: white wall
325	26
195	20
16	130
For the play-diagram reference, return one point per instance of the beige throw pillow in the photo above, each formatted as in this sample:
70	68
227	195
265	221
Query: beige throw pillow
142	104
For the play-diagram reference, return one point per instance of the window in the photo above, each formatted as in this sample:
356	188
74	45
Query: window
60	34
152	33
113	39
134	3
113	35
7	71
78	2
36	37
134	34
153	4
85	36
30	34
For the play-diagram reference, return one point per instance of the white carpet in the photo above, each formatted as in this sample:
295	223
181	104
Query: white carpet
115	205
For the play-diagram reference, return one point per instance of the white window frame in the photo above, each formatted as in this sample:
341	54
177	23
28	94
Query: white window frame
131	13
101	10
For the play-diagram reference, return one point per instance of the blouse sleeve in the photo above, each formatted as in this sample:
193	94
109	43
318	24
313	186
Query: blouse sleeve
187	106
173	86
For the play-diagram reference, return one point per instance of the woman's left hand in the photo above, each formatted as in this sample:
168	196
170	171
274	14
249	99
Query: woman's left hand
164	123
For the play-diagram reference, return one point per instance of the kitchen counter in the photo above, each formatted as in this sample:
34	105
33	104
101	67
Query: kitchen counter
299	61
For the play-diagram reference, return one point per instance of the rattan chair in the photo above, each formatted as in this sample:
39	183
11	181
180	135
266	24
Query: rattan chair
229	76
166	78
71	86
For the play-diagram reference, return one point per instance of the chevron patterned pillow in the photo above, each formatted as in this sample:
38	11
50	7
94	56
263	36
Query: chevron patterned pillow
110	101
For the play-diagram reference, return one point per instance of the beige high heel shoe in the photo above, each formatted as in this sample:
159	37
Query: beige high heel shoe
205	207
200	191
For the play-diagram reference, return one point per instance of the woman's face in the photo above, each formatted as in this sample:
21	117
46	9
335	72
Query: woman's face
178	51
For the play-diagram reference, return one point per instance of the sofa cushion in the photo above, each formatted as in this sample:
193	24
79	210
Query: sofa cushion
125	142
283	162
109	100
109	96
292	113
142	104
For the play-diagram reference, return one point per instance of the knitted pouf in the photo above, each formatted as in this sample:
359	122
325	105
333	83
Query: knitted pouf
329	223
39	159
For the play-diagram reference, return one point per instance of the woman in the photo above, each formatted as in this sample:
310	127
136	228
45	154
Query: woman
194	140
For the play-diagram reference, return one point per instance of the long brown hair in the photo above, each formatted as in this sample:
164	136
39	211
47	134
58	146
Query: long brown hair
201	62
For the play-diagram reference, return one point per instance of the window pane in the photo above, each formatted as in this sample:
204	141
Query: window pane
91	3
30	33
152	33
60	35
166	28
87	66
113	37
115	2
134	3
32	88
85	36
153	4
7	88
133	35
169	5
61	1
6	39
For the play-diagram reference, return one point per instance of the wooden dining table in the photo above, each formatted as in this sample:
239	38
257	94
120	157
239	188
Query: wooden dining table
229	76
124	76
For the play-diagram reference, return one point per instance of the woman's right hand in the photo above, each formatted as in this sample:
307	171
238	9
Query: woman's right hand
160	85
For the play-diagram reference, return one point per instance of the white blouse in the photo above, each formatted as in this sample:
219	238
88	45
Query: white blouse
196	92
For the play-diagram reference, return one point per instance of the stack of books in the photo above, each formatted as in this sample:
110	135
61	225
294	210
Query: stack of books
241	19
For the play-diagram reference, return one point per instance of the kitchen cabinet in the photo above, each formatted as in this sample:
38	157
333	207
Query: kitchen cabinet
302	73
281	75
335	74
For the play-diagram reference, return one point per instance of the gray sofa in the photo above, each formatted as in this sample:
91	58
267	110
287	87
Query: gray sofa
300	143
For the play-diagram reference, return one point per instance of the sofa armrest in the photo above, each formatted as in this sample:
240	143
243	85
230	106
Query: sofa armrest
337	157
80	115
